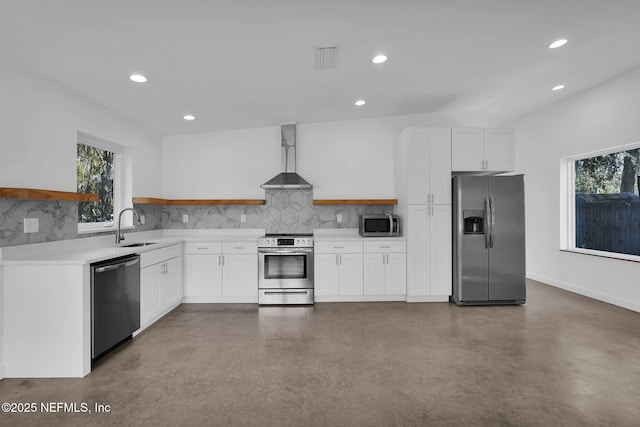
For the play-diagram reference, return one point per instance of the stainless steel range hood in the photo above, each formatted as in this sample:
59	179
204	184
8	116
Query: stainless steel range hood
288	179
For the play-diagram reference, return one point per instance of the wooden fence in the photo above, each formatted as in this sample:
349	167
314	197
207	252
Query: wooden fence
608	222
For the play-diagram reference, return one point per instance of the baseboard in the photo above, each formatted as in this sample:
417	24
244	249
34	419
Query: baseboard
157	317
220	300
585	292
358	298
432	298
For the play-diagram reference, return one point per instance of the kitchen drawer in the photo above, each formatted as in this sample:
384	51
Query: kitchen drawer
159	255
338	247
240	247
384	246
203	248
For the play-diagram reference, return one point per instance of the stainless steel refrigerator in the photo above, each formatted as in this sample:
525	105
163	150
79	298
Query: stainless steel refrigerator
488	240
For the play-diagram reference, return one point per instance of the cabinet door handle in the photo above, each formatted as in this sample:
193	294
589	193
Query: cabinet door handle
337	262
238	247
222	259
338	247
219	259
385	246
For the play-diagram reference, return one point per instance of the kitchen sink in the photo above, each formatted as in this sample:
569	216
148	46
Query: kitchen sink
135	245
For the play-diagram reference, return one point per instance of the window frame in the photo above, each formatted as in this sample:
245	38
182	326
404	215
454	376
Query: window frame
121	184
567	204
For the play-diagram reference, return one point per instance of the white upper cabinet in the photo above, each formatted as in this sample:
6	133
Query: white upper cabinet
499	149
467	149
423	165
482	150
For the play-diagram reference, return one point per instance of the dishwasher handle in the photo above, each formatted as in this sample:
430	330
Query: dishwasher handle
117	266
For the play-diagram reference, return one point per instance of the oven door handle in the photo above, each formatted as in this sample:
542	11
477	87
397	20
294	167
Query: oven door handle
286	253
299	251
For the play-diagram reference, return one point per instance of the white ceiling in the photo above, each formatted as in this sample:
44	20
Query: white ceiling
251	63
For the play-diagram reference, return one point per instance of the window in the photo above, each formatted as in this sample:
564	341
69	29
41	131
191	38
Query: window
604	206
100	171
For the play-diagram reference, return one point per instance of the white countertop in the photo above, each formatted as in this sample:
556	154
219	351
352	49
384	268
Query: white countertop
342	234
94	249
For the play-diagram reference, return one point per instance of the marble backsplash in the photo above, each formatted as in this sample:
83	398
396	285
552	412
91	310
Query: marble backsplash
285	211
58	220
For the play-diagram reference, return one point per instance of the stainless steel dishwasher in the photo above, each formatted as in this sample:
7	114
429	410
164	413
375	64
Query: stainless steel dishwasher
115	302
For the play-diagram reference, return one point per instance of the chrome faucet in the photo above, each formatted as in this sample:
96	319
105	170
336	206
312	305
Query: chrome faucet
120	234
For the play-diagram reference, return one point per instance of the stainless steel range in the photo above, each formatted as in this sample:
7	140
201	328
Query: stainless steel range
285	269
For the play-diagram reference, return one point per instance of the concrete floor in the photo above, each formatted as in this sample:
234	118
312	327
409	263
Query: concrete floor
561	359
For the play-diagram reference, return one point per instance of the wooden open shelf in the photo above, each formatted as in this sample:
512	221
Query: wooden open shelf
36	194
355	201
156	201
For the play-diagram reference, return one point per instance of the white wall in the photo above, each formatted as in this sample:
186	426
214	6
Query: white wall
345	159
40	121
605	116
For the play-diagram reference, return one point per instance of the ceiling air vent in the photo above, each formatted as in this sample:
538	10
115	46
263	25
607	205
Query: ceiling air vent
326	57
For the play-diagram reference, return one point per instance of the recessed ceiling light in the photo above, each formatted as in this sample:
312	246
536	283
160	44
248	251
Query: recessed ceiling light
559	87
360	102
379	59
189	117
138	78
558	43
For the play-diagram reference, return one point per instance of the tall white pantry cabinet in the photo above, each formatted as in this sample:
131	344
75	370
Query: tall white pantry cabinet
422	167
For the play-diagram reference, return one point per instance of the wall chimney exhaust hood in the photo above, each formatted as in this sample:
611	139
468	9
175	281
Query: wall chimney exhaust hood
288	179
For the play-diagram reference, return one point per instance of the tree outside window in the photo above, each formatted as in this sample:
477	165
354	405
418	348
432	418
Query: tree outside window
95	175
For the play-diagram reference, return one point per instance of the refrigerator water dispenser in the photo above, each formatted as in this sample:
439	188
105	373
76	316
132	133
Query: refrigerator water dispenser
473	222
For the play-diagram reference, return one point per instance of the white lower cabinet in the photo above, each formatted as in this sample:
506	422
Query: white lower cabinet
385	270
160	283
338	271
240	276
429	253
221	272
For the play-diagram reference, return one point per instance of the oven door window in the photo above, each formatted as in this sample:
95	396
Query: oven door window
285	266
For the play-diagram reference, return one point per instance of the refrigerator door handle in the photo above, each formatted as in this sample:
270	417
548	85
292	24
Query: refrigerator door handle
492	208
487	222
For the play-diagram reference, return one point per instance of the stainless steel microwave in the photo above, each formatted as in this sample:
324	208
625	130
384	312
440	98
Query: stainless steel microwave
380	225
